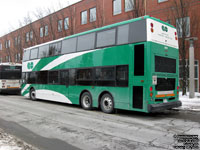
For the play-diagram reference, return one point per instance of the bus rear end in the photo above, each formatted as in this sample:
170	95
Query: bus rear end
163	62
10	78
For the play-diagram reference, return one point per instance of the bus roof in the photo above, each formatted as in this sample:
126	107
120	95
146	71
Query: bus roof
102	28
118	24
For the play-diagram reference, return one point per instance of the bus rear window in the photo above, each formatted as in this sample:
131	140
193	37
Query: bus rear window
10	72
165	84
163	64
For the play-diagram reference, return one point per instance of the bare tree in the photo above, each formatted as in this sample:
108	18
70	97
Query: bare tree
71	12
185	20
136	8
99	18
8	49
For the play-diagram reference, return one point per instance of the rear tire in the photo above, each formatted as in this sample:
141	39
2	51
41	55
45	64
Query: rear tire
32	94
107	104
86	101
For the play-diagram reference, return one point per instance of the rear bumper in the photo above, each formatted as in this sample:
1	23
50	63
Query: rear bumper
14	90
163	106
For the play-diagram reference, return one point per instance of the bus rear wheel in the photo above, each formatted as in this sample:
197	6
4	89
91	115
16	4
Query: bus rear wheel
86	101
32	94
107	104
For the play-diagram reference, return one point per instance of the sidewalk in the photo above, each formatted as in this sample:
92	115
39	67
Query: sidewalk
8	142
190	104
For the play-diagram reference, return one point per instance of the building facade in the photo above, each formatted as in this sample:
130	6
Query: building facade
89	14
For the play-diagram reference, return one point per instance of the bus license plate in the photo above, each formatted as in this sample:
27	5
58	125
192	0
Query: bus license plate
165	101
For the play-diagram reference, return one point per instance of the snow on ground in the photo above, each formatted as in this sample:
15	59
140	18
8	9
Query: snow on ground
8	142
192	104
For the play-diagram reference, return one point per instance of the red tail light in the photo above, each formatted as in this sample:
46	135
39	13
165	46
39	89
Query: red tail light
176	38
152	30
151	89
177	87
151	94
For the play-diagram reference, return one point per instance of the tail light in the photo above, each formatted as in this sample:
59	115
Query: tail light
151	94
177	90
151	89
176	37
152	30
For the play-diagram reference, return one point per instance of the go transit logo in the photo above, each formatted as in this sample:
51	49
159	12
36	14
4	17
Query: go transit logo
164	28
30	65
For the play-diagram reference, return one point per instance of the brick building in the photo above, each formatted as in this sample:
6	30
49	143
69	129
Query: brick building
89	14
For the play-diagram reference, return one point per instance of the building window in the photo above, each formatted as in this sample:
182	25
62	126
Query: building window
93	15
129	4
41	32
31	35
66	23
7	44
1	60
18	40
183	24
117	7
17	57
160	1
0	46
27	36
196	74
46	30
60	25
84	17
7	58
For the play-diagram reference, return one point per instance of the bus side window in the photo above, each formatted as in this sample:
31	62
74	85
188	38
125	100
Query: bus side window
26	55
53	77
42	77
105	76
64	77
24	79
123	34
72	77
106	38
69	46
122	76
55	49
85	76
34	53
89	39
32	77
43	51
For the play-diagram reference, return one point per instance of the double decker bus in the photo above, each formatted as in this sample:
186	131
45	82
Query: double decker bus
10	77
131	65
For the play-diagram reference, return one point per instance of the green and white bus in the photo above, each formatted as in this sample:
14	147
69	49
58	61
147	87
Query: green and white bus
131	65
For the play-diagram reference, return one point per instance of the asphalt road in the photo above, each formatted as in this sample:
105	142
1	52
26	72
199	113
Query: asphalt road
55	126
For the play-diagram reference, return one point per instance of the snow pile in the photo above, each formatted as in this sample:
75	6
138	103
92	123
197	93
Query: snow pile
8	142
190	103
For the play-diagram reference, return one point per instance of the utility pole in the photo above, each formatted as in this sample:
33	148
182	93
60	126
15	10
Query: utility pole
145	7
191	66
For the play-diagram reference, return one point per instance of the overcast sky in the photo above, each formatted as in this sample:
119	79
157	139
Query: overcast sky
13	11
